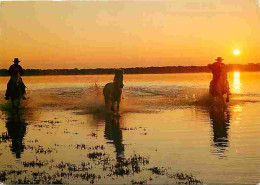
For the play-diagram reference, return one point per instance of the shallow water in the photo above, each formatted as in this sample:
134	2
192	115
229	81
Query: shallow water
163	119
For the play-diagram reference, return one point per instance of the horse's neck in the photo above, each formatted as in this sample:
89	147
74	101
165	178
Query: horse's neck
116	86
117	90
16	79
116	83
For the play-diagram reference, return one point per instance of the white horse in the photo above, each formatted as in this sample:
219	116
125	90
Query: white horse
113	91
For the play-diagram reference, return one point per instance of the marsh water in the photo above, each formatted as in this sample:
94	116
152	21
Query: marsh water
165	134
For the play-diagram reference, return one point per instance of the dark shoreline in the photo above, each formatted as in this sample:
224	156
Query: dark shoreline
136	70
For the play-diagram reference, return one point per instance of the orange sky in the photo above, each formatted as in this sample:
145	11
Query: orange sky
79	34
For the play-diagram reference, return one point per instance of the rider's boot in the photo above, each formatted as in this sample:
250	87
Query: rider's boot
227	100
23	91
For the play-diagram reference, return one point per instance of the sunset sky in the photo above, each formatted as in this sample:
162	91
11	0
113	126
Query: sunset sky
90	34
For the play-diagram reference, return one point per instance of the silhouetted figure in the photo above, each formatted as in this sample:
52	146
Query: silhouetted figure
219	85
220	120
15	71
16	129
114	134
113	91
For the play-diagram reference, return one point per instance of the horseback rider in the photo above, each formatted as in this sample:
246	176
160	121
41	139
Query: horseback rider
219	71
15	71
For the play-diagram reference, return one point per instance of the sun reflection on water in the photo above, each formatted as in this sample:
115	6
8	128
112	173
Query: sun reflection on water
236	83
238	108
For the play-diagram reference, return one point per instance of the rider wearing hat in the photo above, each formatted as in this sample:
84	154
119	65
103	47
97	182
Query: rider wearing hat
15	71
219	71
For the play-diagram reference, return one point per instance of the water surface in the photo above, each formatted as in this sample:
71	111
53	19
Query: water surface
62	131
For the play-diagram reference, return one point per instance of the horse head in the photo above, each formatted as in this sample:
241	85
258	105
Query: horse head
118	79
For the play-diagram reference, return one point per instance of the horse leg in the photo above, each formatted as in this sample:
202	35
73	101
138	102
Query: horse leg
118	103
222	100
15	105
107	104
113	106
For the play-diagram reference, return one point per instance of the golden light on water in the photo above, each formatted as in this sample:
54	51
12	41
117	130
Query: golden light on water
238	108
237	111
236	52
236	83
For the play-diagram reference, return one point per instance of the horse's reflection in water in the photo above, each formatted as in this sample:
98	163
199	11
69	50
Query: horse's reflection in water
16	129
220	120
113	133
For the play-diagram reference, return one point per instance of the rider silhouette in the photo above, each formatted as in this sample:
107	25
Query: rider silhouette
219	71
15	71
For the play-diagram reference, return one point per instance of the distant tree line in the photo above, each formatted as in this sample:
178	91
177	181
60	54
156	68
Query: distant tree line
136	70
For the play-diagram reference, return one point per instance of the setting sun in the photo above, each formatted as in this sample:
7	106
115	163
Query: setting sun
236	52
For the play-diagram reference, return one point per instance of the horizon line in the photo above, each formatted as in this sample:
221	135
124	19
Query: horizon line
129	67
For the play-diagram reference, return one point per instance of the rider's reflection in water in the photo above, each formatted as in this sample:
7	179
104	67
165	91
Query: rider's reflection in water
16	129
220	120
113	133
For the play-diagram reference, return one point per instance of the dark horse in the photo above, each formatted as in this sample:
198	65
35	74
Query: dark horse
113	91
16	92
218	88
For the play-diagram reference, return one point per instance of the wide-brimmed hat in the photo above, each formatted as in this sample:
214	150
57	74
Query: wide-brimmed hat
219	59
16	60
